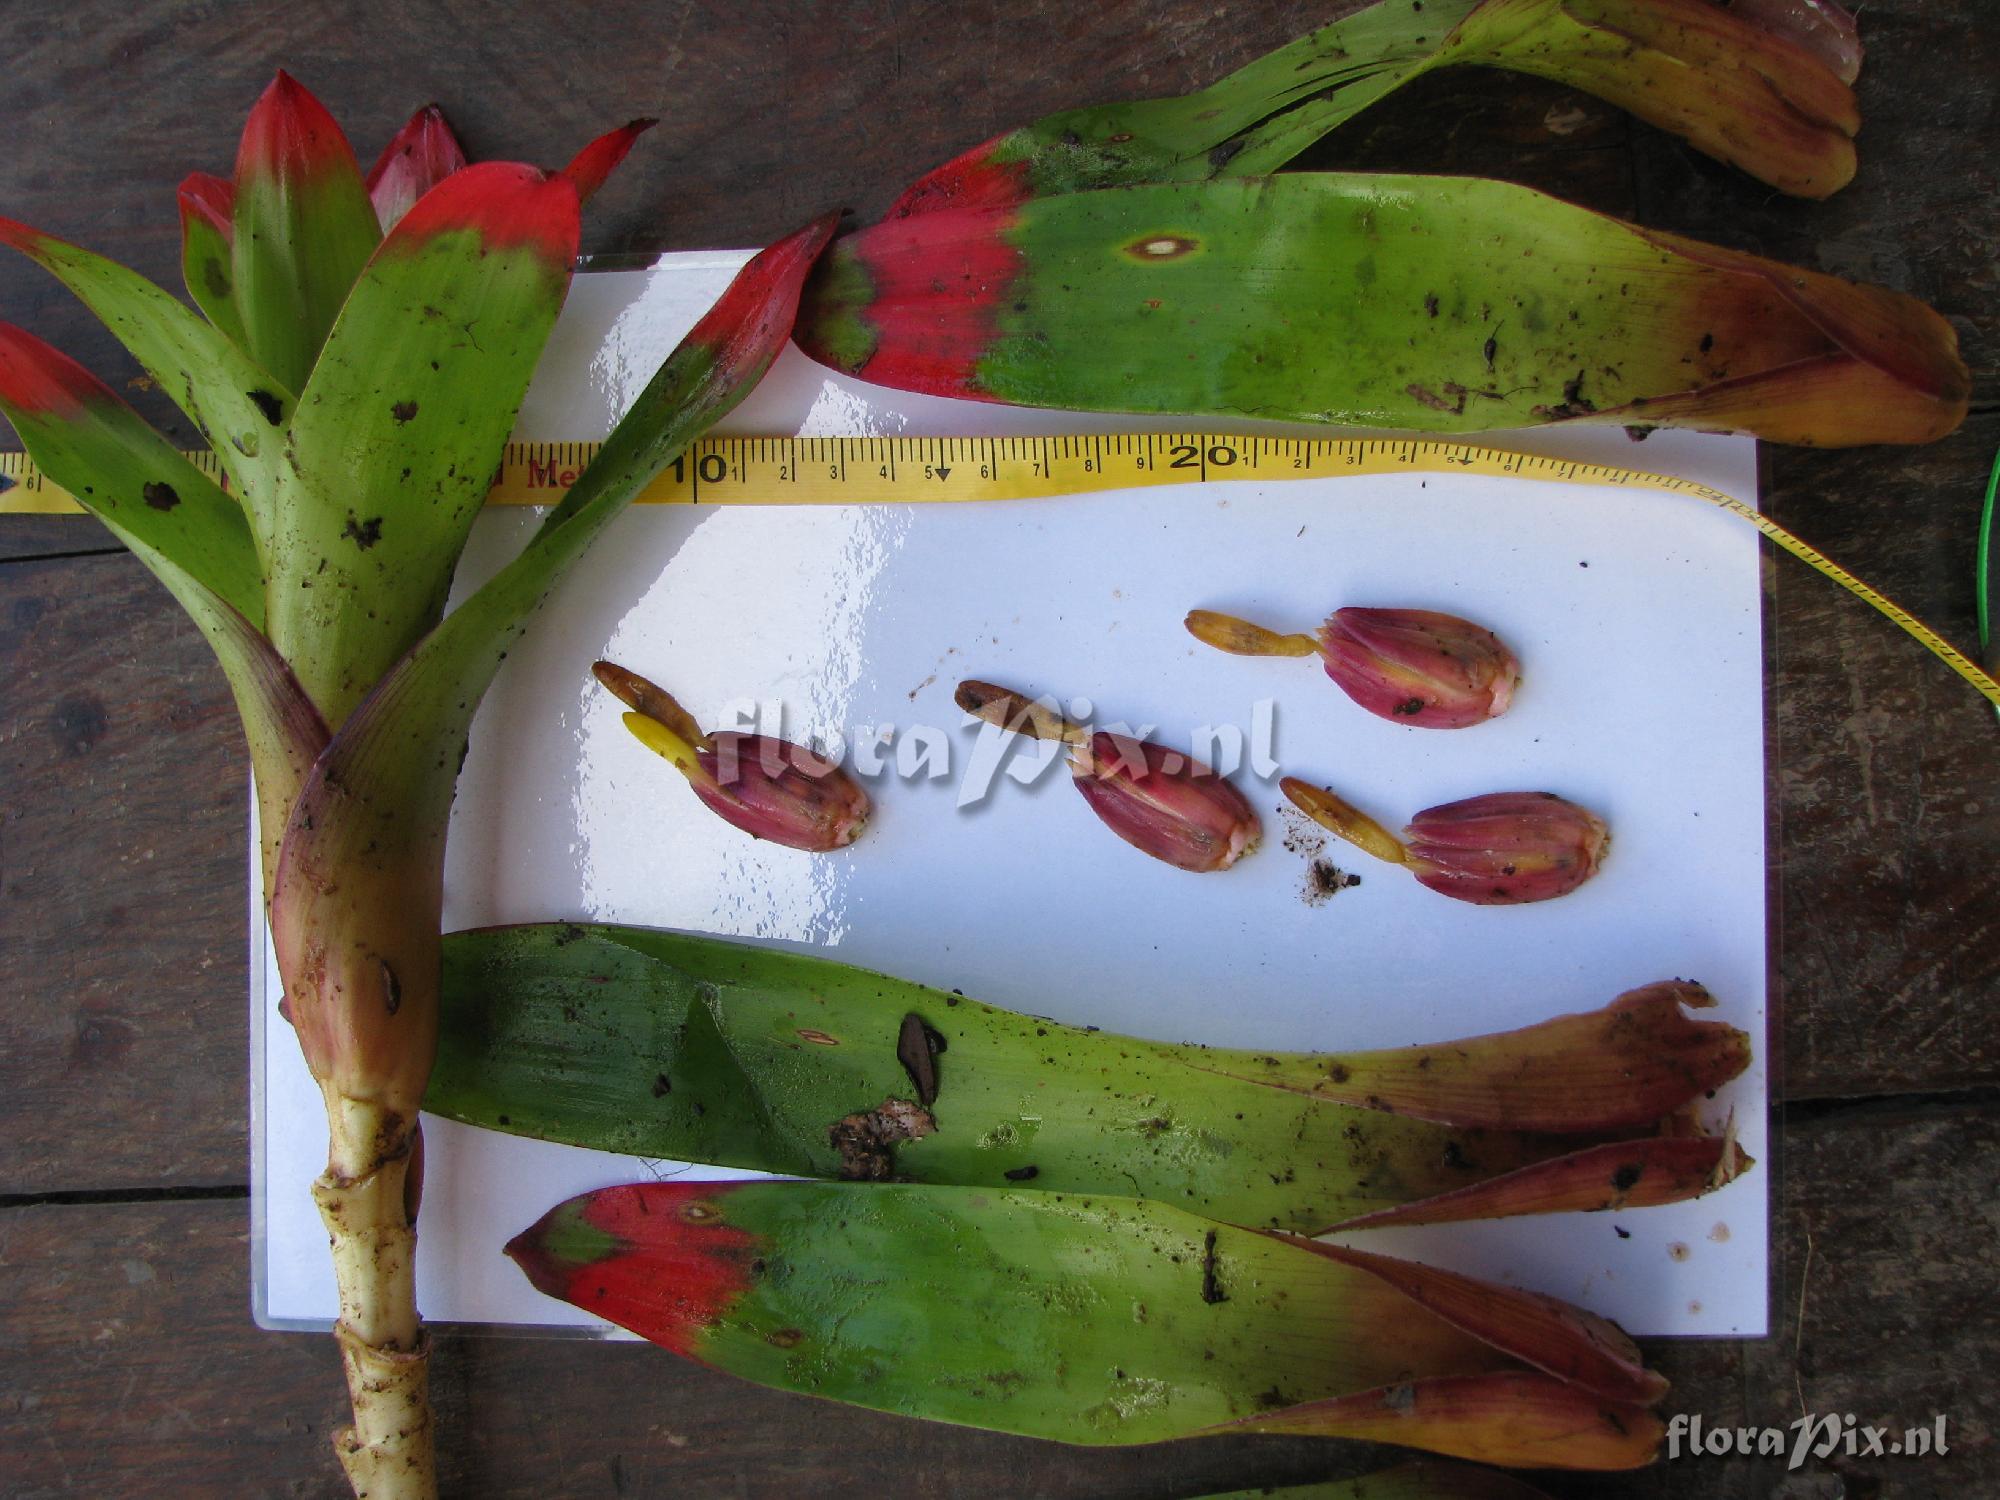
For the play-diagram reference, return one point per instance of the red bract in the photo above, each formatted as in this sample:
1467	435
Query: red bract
773	789
768	787
1414	666
1163	802
1505	847
1160	801
1496	850
1418	666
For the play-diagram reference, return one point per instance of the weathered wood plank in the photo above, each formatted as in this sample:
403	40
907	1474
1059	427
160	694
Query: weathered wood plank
123	849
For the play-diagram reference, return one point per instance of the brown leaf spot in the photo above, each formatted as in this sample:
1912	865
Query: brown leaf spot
867	1142
402	411
364	534
159	495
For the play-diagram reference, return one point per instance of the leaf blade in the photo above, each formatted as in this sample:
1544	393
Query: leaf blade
303	228
393	446
1278	298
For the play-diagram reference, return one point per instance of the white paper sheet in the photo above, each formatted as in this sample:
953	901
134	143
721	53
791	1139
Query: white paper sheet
1636	617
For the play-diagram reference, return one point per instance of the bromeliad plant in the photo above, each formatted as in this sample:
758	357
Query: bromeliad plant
690	1048
357	374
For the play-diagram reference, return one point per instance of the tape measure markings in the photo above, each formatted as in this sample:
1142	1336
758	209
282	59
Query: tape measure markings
864	470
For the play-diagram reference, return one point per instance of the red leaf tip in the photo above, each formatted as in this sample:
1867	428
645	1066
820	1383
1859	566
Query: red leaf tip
420	156
508	204
37	378
290	134
589	168
210	198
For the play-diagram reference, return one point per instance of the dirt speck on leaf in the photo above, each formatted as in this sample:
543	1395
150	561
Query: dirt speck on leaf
867	1141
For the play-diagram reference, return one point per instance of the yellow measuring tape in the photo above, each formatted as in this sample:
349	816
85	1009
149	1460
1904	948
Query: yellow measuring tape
904	470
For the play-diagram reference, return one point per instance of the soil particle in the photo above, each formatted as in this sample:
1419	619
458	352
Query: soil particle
866	1142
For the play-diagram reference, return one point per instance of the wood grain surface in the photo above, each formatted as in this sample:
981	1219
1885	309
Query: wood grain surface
128	1363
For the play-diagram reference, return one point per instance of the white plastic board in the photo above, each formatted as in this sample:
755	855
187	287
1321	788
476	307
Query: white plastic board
1636	617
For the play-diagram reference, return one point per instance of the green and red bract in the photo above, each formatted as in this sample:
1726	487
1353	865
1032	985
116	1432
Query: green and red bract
1436	304
674	1045
303	227
1747	92
1093	1319
359	419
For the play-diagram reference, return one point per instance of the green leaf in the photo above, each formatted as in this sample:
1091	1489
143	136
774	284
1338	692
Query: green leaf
190	534
1091	1319
1439	304
1734	90
207	204
701	1049
356	906
303	228
400	428
240	407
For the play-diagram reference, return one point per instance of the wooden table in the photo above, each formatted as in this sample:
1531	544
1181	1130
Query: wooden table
128	1362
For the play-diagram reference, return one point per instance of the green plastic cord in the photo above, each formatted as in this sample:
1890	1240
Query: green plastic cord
1989	657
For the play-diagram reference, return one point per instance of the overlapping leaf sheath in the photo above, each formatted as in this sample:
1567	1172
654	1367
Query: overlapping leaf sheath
1093	1319
701	1049
357	391
1439	304
1749	92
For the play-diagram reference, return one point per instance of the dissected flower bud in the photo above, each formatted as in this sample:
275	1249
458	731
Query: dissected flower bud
1497	850
1414	666
1158	800
768	787
1418	666
1506	847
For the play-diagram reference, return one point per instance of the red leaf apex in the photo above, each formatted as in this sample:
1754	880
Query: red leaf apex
39	378
291	135
205	196
659	1258
589	168
508	204
771	280
22	237
420	156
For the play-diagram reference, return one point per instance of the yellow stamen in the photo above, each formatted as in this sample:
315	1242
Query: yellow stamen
1241	638
1335	814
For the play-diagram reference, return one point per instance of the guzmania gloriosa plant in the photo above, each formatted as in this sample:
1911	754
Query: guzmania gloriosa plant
357	376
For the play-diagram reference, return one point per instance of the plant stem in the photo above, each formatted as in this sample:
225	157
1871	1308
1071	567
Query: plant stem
364	1199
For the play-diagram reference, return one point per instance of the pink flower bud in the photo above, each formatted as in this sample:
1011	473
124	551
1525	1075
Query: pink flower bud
1417	666
1163	802
773	789
1505	847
